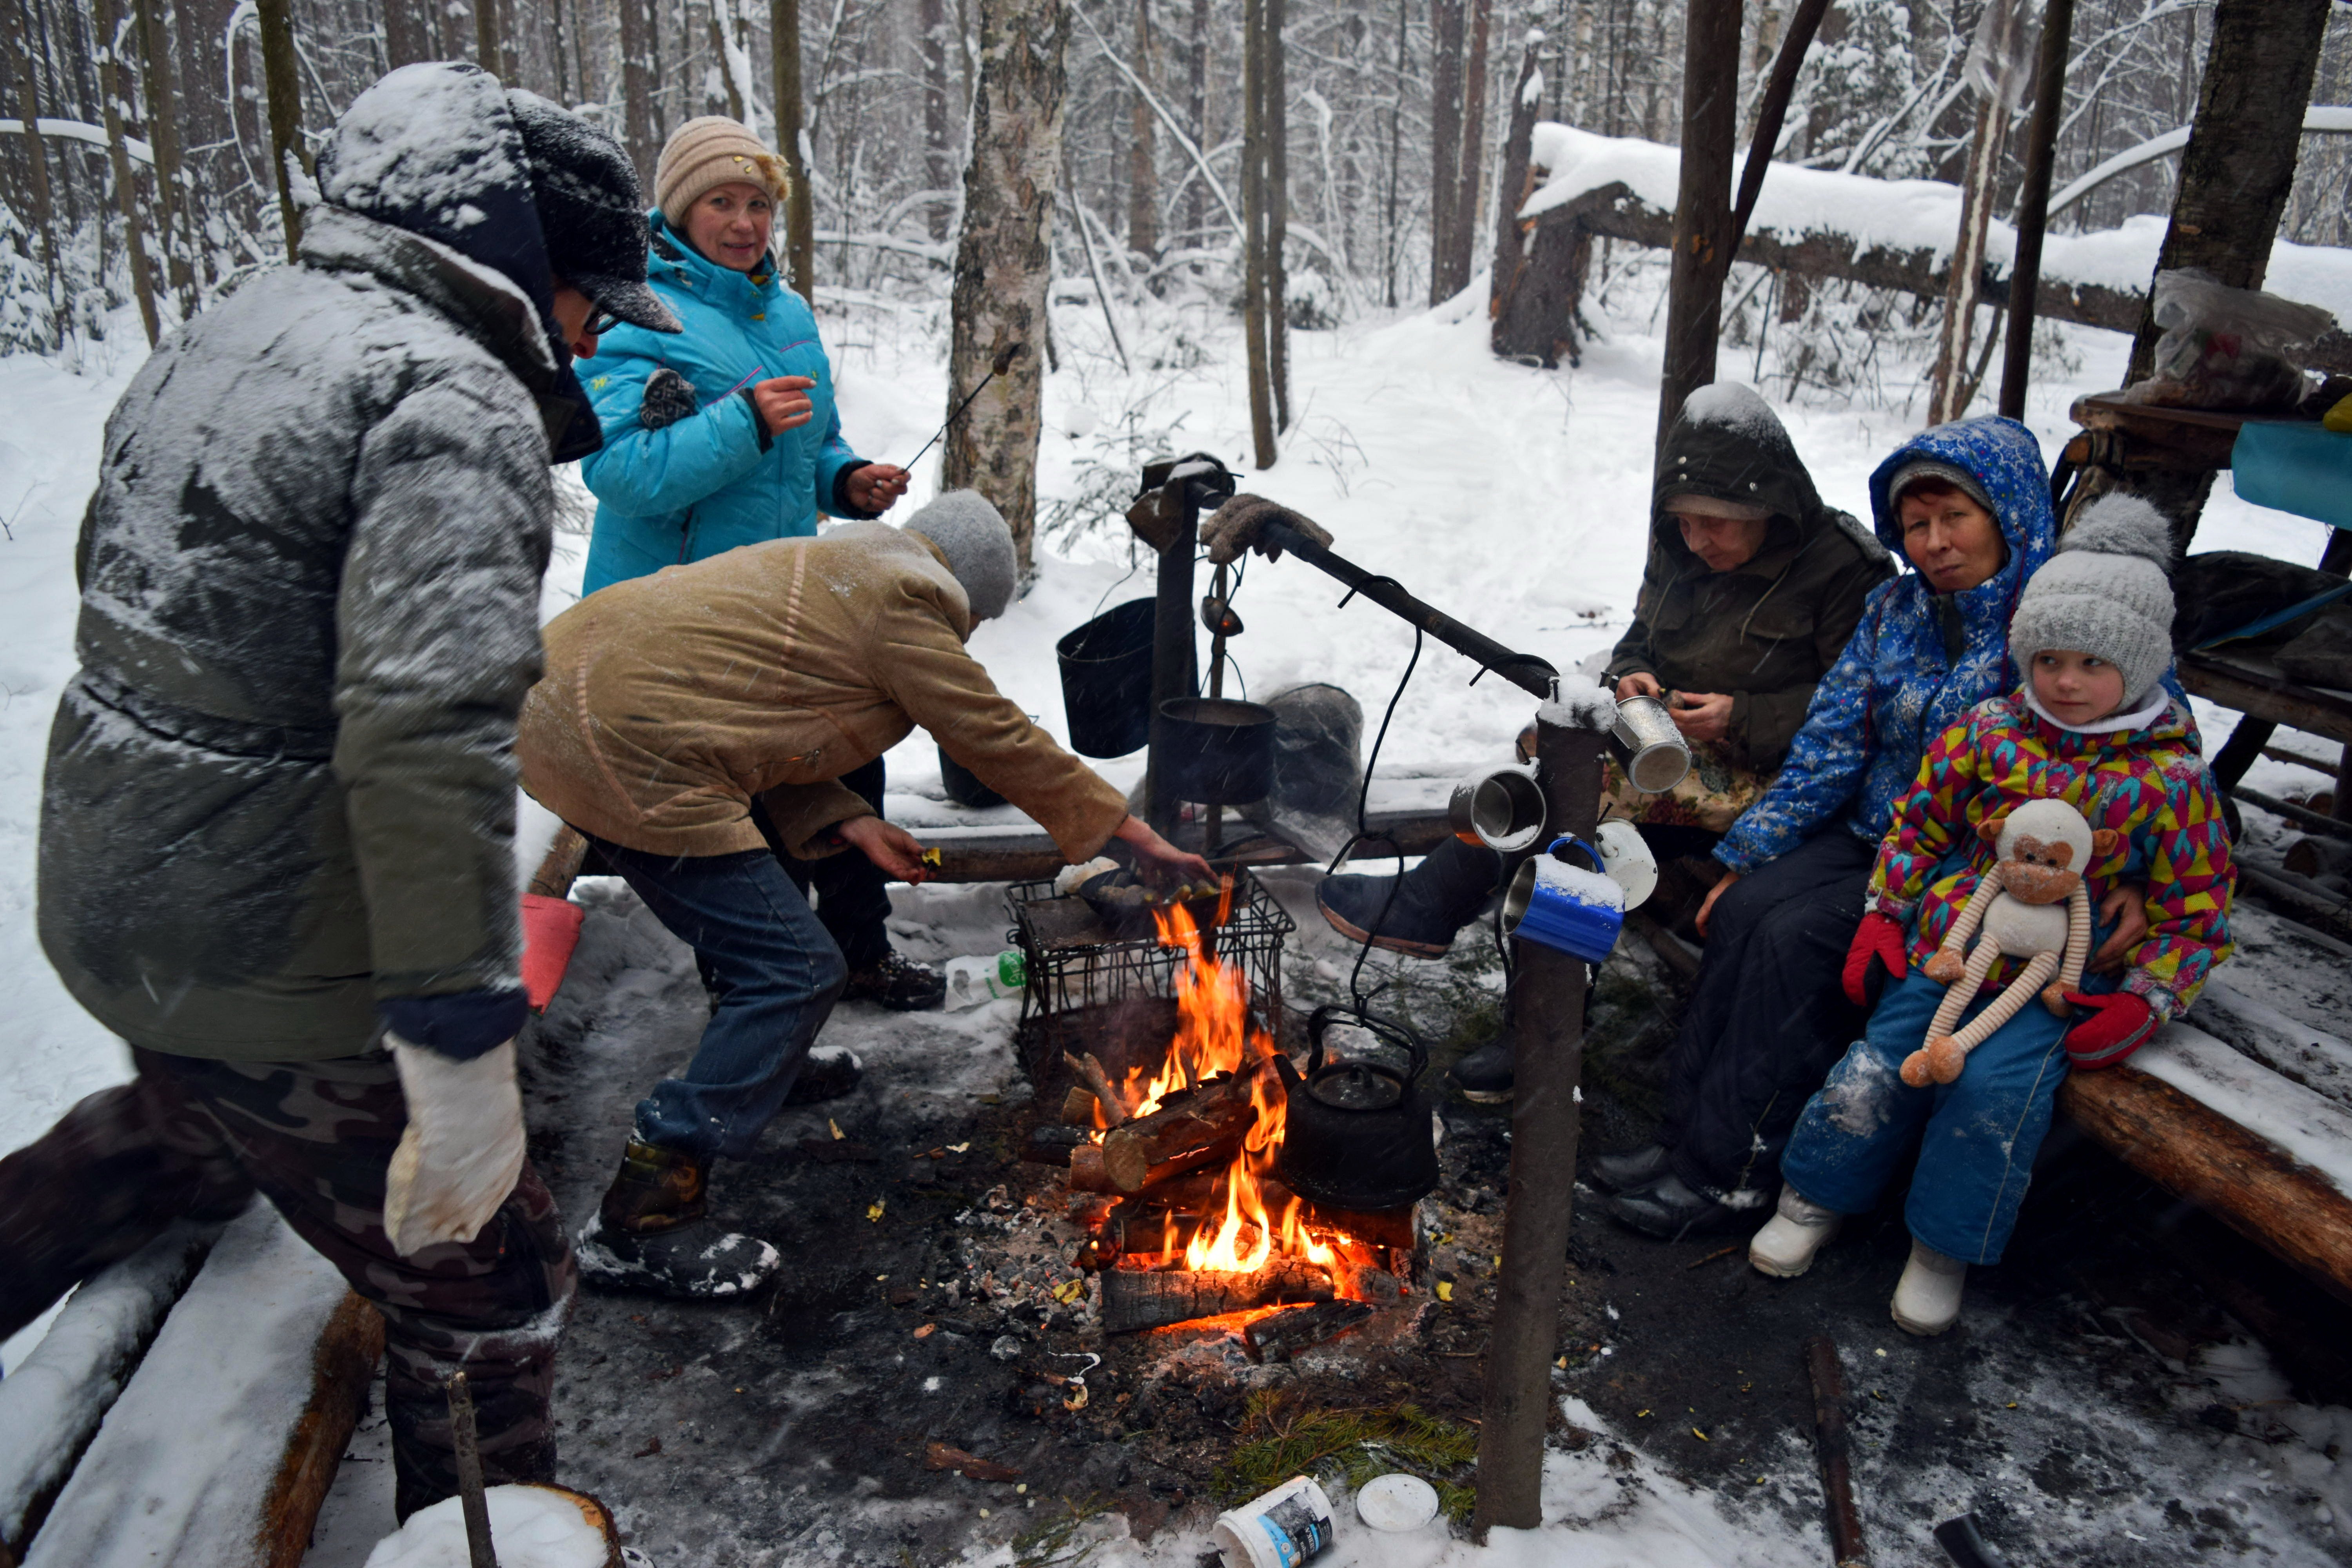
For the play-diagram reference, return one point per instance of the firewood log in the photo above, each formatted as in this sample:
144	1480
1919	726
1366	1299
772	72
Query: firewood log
1186	1132
1089	1072
1078	1106
1285	1334
1087	1174
1134	1299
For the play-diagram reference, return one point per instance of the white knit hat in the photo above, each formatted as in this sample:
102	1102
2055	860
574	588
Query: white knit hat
977	544
2108	592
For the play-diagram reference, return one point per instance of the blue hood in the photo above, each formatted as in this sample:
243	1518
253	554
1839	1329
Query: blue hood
2005	460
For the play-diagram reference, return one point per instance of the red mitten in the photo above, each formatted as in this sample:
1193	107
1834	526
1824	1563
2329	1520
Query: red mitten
550	930
2113	1027
1878	938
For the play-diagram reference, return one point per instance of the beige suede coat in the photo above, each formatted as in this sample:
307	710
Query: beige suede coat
670	700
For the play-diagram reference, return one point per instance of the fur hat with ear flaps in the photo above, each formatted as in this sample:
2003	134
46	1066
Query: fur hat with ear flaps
2108	592
977	544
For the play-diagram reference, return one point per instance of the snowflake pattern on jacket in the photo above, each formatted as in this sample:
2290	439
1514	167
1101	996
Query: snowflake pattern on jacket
1895	686
2148	784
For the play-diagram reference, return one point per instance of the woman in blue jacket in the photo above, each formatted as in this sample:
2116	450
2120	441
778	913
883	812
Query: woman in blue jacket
726	434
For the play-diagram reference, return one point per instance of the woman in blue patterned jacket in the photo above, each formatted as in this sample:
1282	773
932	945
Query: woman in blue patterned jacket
1968	505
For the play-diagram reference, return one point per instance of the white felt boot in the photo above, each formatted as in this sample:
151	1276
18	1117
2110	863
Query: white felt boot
1927	1297
1798	1230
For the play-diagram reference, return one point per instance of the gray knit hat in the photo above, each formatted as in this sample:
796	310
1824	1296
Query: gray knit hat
978	544
1910	474
2108	592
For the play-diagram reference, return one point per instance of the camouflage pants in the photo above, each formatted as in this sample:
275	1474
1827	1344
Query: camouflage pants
196	1139
1710	796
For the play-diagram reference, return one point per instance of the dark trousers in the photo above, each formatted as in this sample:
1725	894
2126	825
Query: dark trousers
773	975
1767	1018
852	895
194	1138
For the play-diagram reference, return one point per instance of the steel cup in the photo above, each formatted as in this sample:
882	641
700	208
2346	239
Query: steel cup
1503	810
1648	746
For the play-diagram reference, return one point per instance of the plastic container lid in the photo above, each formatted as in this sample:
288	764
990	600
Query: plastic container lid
1396	1501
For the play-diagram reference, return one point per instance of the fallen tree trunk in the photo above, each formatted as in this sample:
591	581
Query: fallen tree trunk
1133	1299
1285	1334
1201	1128
2242	1179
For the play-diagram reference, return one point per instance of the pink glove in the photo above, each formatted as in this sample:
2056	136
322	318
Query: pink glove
2113	1027
1877	940
550	930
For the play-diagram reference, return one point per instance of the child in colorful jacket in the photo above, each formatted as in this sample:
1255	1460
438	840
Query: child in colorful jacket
2095	726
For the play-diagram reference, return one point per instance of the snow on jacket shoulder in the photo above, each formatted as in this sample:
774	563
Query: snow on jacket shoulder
670	700
714	479
280	790
2148	784
1917	662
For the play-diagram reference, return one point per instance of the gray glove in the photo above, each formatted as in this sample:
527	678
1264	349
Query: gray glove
1235	526
668	399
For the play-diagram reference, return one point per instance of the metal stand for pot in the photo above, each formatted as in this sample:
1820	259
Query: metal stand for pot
1167	517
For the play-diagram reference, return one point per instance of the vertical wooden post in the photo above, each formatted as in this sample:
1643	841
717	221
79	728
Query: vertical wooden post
637	90
1444	142
1547	1008
2034	201
114	90
19	42
1702	203
1143	172
1275	204
282	82
1254	280
175	235
800	207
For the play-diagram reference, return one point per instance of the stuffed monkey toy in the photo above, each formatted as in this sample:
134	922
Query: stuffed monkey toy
2042	848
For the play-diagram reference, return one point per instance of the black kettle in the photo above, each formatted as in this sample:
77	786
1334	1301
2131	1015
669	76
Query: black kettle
1357	1129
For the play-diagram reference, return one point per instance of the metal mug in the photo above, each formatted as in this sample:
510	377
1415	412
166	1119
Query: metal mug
1503	810
1565	907
1626	856
1648	745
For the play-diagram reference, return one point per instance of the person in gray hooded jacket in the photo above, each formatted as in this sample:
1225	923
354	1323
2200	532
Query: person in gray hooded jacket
276	845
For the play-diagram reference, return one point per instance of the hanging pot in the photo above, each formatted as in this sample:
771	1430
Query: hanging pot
1355	1133
963	786
1214	750
1106	680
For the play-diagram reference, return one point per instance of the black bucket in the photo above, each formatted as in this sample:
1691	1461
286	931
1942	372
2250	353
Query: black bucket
1215	751
964	785
1106	680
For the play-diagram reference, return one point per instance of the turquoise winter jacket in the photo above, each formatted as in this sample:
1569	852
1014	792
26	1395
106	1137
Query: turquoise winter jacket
714	479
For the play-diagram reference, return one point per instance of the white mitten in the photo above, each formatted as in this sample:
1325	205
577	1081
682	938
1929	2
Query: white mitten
463	1150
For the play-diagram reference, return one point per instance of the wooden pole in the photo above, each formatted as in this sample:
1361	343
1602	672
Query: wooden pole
282	82
1445	143
114	90
1771	113
487	53
1702	203
1547	1011
479	1550
1275	204
1834	1451
2034	201
1462	242
637	89
800	207
1143	172
1949	388
1255	347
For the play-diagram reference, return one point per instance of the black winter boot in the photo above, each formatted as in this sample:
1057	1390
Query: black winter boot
1634	1168
1432	902
650	1234
898	982
1484	1076
830	1072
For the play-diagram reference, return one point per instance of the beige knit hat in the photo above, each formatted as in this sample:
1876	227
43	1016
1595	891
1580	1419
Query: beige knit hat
703	154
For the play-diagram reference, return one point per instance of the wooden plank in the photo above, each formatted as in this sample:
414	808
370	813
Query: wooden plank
1029	856
2240	1177
2251	688
341	1365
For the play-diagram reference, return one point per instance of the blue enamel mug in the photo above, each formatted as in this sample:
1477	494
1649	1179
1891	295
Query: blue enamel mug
1564	906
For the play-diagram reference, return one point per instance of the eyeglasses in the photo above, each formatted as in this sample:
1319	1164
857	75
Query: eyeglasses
600	322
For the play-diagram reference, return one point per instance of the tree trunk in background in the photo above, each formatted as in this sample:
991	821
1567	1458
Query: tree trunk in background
1702	201
1950	385
1253	173
1196	193
174	235
1005	260
488	53
114	92
19	44
282	83
1444	141
407	33
637	91
1392	246
1462	242
800	207
1277	211
939	154
1144	180
1530	322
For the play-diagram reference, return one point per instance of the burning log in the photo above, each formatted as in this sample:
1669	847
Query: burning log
1285	1334
1133	1299
1052	1143
1086	1173
1203	1127
1090	1072
1078	1106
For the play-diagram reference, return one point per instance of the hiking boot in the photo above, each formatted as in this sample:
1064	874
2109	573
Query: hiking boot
1634	1168
1430	902
830	1072
1670	1208
1484	1076
898	982
650	1234
1797	1231
1927	1297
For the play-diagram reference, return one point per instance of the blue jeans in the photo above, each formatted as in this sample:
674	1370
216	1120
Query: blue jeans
1981	1130
773	975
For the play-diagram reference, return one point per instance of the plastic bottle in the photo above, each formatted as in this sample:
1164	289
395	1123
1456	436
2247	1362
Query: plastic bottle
972	981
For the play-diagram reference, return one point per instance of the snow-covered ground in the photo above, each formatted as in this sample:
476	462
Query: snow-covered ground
1514	497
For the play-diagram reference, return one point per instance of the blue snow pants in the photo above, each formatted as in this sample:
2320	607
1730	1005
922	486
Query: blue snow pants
1981	1130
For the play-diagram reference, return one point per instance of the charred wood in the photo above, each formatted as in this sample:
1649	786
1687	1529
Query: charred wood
1285	1334
1190	1130
1133	1299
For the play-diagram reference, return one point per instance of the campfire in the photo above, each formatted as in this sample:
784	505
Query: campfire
1176	1182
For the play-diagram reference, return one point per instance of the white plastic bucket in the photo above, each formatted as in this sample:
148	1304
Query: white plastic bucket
1280	1529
